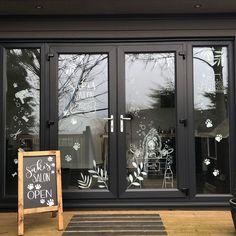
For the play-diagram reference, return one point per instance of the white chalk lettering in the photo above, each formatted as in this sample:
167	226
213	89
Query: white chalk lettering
43	193
35	168
41	177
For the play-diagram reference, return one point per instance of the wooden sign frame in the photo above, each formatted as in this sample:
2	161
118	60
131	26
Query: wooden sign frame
57	209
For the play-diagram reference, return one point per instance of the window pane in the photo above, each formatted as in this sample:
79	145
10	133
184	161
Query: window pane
211	119
83	131
22	108
150	134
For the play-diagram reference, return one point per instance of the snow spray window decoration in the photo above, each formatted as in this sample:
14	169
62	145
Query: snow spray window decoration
97	175
150	158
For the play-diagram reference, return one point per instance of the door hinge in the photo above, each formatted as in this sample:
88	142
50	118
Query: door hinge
182	54
185	191
50	55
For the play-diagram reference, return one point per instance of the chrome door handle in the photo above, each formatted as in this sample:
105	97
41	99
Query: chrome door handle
122	118
111	119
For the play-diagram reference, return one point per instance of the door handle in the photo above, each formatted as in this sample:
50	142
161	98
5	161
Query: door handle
183	122
50	122
111	119
122	119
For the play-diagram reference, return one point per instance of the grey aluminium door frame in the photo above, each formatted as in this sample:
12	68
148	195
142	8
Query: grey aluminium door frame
54	52
182	189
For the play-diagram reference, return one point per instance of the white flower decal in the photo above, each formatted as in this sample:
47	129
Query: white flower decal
15	161
50	158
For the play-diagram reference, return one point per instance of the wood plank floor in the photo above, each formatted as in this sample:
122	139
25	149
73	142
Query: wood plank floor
184	223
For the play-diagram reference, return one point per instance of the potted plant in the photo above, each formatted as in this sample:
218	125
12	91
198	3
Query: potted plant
232	203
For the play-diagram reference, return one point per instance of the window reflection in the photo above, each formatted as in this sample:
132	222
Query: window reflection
211	119
83	133
22	108
150	134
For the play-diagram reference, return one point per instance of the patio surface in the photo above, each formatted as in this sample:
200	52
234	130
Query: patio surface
176	222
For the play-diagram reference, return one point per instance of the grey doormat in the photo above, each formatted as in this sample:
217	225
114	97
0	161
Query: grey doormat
115	224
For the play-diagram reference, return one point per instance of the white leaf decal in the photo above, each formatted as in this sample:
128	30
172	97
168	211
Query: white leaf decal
101	186
131	178
134	164
139	171
141	165
136	184
94	164
140	178
92	171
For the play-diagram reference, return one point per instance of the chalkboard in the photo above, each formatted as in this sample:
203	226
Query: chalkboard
39	177
39	185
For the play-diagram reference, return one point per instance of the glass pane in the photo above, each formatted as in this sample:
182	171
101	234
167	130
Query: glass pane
83	132
22	108
150	134
211	119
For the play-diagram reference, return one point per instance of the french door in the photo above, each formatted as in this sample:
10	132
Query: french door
117	115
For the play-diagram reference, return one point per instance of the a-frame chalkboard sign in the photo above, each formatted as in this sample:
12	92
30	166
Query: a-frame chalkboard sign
39	185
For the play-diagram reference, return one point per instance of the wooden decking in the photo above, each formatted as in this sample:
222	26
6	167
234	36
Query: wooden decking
184	223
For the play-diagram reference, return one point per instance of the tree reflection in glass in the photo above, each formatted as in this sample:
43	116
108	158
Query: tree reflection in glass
22	108
83	134
211	119
150	134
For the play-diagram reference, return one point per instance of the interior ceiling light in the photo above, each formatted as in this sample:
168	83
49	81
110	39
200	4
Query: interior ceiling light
38	6
198	5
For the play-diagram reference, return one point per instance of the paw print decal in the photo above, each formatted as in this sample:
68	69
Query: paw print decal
42	201
207	162
68	158
216	172
50	202
218	137
30	186
208	123
37	186
76	146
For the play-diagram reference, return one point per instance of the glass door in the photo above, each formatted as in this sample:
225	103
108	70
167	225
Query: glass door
83	88
152	121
